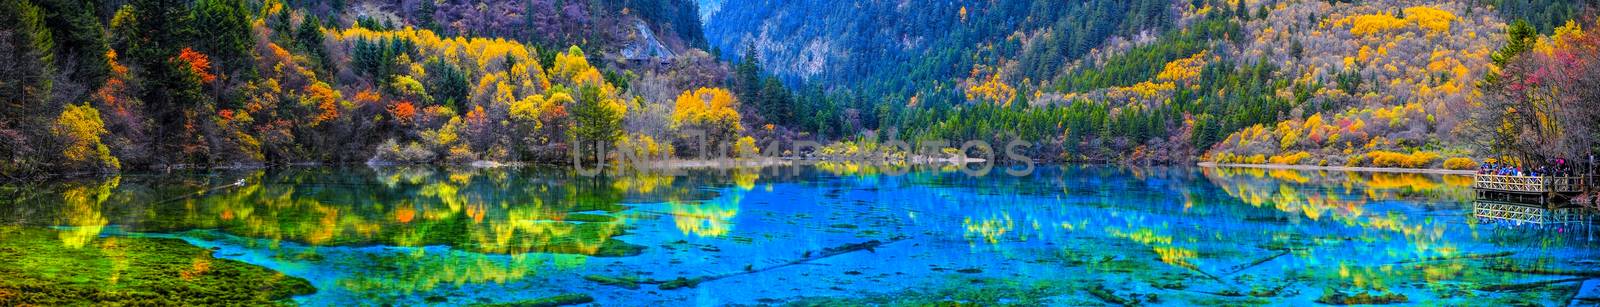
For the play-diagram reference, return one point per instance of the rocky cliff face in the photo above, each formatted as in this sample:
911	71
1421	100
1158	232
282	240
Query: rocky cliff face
643	45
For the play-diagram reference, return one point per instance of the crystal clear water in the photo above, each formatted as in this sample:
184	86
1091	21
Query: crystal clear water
839	233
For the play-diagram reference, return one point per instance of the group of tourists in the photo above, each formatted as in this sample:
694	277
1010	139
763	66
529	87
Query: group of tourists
1551	168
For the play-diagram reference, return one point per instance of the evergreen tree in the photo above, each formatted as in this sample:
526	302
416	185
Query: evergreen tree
80	41
424	15
447	84
224	34
308	38
26	71
596	119
171	94
28	58
775	102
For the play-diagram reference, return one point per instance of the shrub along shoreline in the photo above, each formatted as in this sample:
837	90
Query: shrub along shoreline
1440	171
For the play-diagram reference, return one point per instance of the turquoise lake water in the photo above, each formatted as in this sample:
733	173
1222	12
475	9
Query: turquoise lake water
841	234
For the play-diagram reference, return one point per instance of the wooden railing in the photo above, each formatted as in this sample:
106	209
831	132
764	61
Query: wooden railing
1569	184
1525	214
1530	184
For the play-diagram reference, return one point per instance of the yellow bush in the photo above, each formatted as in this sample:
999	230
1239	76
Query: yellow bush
1184	69
1355	161
1363	25
1290	159
1421	159
1460	164
1256	159
1385	158
642	146
1433	19
1395	159
1222	158
746	147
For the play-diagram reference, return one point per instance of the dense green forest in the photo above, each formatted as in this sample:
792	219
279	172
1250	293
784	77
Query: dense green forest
92	86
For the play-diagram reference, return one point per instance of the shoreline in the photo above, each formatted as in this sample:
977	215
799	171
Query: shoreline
1435	171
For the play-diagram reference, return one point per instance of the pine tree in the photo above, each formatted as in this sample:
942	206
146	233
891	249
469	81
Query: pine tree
308	38
447	84
424	15
596	119
775	102
80	41
27	58
172	91
26	71
225	34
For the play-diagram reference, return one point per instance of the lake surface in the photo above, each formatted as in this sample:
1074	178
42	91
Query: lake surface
837	233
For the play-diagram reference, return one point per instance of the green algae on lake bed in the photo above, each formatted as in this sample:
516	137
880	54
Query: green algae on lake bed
40	269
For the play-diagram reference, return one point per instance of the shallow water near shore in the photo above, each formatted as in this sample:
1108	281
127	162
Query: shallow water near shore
838	234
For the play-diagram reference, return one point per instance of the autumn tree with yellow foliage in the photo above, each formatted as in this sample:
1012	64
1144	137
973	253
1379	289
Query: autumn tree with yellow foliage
712	111
79	128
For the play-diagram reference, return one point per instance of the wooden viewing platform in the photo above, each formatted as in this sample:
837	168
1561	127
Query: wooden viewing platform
1548	192
1530	184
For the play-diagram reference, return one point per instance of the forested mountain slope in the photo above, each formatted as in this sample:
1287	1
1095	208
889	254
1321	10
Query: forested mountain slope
906	43
100	86
1293	81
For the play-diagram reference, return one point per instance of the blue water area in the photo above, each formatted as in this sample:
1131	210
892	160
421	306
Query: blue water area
835	234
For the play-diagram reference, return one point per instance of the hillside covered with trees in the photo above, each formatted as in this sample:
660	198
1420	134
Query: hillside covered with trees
1357	83
97	86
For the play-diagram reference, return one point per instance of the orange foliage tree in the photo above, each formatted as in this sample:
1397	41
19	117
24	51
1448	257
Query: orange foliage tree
199	63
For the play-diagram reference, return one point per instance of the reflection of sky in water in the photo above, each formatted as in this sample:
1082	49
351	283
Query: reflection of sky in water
1189	236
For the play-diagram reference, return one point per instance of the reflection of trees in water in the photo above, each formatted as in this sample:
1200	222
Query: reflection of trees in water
1344	198
505	211
706	219
991	229
714	217
81	211
1182	220
1341	197
420	271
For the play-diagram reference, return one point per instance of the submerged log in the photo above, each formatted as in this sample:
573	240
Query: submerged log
682	283
1541	271
623	282
1531	285
1240	268
1460	257
553	301
1099	291
688	282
